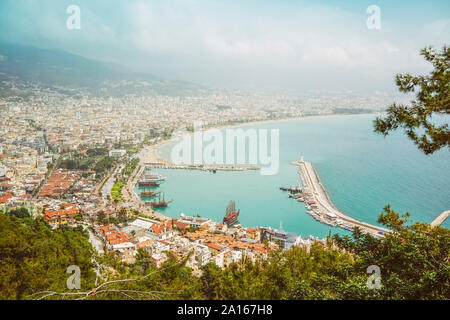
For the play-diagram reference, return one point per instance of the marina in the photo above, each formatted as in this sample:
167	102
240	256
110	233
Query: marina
319	205
195	191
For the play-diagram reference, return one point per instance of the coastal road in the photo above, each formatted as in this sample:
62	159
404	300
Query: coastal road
145	155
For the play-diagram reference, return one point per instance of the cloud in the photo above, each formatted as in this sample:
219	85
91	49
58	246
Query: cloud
246	42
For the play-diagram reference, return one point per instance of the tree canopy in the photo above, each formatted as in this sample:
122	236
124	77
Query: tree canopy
432	97
413	260
34	258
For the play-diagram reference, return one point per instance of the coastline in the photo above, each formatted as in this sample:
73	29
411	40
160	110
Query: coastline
324	210
324	116
154	149
157	152
151	153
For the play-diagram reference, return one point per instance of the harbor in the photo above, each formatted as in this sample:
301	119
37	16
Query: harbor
319	205
135	199
197	199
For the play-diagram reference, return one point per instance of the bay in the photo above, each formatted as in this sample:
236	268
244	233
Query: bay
362	172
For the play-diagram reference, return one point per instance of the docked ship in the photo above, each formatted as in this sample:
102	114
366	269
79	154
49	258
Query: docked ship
231	215
160	203
151	180
147	193
145	183
154	177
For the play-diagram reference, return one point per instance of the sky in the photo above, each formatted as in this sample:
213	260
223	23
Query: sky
275	45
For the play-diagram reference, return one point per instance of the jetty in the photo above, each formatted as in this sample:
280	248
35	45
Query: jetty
201	167
320	206
150	159
440	219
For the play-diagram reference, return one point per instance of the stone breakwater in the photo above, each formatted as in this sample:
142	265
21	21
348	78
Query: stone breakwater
322	209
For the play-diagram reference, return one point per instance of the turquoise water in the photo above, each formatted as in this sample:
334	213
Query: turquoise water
362	172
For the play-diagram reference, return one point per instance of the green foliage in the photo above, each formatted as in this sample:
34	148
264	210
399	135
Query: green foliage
116	191
34	258
104	165
70	164
131	166
294	274
172	281
414	264
97	152
20	213
97	160
432	98
414	260
101	217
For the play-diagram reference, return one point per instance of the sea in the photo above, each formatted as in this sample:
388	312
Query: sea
362	172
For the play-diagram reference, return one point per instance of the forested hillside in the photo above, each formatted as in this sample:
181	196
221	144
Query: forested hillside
414	264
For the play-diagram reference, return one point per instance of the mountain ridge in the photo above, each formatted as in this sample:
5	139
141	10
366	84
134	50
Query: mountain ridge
56	68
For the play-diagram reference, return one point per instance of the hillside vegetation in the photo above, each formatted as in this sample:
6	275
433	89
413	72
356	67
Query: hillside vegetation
414	264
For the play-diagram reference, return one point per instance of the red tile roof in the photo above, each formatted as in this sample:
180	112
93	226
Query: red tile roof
157	228
5	197
181	225
215	246
117	238
109	229
68	212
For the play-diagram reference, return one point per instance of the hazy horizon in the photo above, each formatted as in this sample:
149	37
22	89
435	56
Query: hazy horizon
284	46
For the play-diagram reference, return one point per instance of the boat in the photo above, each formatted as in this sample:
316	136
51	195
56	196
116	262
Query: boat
154	177
161	203
295	190
147	193
231	215
148	184
151	180
295	195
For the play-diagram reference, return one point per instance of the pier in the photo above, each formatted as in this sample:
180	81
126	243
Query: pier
150	158
322	209
440	219
200	167
134	200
